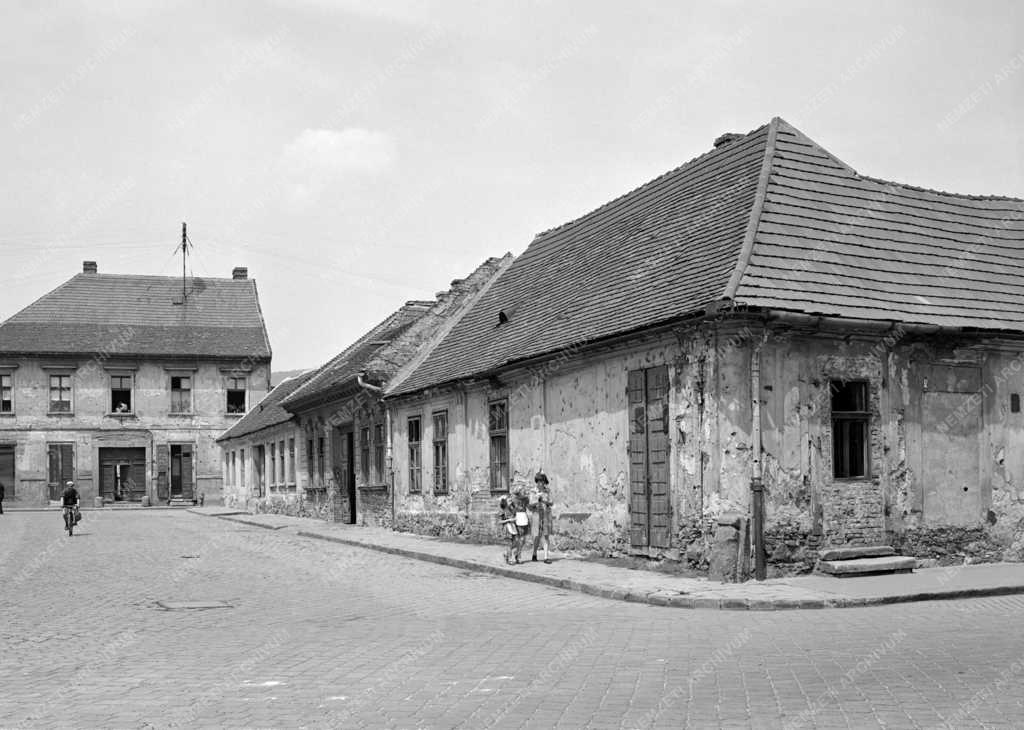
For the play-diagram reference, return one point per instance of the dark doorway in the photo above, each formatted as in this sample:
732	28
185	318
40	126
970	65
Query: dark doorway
181	471
123	474
345	471
7	469
649	508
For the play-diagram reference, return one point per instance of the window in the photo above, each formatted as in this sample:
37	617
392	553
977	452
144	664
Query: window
181	394
120	393
280	462
241	467
291	461
60	394
272	480
233	476
364	454
850	419
61	460
320	461
378	454
236	395
497	427
415	456
6	393
309	462
440	423
1014	403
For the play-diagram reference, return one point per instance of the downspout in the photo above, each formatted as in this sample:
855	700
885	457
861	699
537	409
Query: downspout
756	483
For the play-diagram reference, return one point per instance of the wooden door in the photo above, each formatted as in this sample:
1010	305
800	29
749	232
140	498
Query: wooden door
650	491
7	470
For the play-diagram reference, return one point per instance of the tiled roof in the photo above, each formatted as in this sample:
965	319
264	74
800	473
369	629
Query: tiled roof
769	220
832	242
136	315
660	251
402	339
268	412
341	371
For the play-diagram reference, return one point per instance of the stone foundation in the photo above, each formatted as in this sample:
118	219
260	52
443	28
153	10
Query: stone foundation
950	545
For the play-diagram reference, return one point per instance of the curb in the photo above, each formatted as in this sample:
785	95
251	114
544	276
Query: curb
230	517
655	598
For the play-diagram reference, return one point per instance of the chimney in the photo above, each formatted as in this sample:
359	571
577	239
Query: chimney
240	272
88	267
727	138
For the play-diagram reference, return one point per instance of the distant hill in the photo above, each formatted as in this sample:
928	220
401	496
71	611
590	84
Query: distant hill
276	377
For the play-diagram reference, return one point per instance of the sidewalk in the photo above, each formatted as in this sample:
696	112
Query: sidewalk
573	573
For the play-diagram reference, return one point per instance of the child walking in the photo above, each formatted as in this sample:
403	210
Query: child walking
507	518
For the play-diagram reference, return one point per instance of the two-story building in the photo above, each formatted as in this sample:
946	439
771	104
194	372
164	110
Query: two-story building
123	383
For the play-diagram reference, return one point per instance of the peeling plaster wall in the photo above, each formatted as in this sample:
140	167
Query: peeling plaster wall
568	417
980	518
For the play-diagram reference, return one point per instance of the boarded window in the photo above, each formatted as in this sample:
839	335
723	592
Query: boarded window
181	394
850	423
6	393
497	427
60	394
120	393
440	424
415	455
236	395
378	453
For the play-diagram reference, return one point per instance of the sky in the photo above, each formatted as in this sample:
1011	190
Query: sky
356	155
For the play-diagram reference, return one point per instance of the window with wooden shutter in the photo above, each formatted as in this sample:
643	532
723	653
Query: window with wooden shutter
497	428
415	455
440	439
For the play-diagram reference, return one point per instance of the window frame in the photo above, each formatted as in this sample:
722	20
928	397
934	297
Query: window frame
190	390
364	453
60	391
379	448
272	452
228	390
291	462
9	388
841	421
499	470
440	451
131	393
321	461
415	451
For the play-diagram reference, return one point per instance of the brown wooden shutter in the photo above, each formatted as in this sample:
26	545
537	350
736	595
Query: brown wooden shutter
638	502
657	457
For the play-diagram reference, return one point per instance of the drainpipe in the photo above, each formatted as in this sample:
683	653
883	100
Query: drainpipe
756	484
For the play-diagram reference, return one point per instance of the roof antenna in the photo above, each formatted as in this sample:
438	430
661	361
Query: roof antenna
185	243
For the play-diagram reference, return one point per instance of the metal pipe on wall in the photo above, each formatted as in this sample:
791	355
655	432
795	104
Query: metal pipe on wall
756	483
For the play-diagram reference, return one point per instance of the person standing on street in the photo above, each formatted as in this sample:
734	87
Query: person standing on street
540	518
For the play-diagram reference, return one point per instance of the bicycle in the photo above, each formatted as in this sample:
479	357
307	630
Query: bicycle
70	520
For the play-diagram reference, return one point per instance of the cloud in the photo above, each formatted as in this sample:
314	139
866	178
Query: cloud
325	154
319	157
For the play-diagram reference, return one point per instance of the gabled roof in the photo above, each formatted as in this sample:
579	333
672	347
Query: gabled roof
406	336
268	412
137	316
833	242
769	219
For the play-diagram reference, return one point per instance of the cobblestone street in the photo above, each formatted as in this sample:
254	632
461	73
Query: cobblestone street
315	634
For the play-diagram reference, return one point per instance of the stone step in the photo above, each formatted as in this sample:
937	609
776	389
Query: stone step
867	566
852	553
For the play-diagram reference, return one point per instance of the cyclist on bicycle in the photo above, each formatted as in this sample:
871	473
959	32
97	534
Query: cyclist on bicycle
69	502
